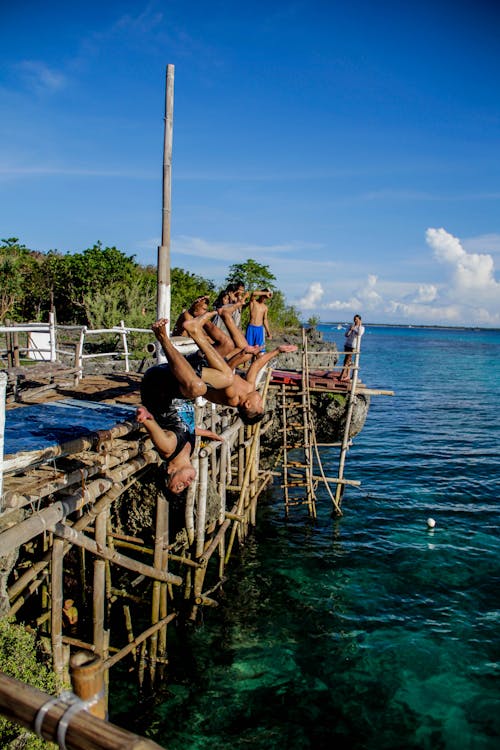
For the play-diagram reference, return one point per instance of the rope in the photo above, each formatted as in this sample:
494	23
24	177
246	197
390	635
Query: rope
75	705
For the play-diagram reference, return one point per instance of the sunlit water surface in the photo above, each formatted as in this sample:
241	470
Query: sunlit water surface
369	630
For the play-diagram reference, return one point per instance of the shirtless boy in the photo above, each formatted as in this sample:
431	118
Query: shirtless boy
258	326
238	392
161	384
199	306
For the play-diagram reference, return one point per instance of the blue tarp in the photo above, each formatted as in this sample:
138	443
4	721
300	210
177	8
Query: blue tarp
40	426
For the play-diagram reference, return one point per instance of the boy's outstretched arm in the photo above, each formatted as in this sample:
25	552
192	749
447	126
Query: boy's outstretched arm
262	361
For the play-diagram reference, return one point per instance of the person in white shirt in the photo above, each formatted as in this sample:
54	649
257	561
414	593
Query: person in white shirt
352	338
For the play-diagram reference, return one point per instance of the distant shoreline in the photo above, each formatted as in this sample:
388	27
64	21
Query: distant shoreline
406	325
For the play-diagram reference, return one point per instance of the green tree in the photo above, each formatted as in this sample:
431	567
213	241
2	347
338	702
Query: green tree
252	274
256	275
16	264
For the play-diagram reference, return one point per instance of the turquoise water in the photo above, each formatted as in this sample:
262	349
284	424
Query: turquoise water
369	630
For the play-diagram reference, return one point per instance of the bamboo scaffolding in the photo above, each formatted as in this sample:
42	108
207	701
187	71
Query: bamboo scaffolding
75	537
140	640
25	580
48	517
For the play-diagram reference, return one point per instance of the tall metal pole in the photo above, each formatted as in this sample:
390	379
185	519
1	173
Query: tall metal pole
163	294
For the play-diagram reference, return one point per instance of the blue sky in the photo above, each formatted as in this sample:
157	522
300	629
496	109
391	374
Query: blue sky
354	147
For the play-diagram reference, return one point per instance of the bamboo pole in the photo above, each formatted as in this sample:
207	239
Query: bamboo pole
163	271
56	610
129	629
99	585
159	544
112	660
165	557
75	537
345	437
244	485
22	704
190	501
201	514
36	524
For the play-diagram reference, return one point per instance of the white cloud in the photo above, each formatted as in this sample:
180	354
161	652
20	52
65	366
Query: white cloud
470	295
232	251
472	275
312	297
40	78
426	293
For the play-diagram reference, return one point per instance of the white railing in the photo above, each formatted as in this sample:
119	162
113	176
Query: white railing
42	343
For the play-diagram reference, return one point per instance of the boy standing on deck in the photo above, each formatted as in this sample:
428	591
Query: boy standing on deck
258	327
352	339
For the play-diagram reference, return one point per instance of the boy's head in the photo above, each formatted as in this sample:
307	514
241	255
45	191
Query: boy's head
251	410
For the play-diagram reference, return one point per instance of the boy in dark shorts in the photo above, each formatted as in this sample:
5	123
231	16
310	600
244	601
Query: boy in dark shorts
161	384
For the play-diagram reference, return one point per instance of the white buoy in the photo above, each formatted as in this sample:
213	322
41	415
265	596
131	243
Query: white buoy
431	523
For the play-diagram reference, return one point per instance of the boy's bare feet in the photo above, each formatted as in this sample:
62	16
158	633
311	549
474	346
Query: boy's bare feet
287	348
160	328
228	310
196	324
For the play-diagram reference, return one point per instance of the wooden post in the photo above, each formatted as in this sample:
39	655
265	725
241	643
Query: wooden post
8	341
158	558
52	337
87	680
15	348
345	437
56	610
163	272
99	586
123	334
79	351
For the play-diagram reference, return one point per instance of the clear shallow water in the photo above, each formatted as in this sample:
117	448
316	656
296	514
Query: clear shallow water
368	631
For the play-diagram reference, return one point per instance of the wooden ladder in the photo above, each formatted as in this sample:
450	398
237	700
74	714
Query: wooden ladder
298	478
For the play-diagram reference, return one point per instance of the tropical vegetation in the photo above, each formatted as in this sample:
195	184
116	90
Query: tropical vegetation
102	285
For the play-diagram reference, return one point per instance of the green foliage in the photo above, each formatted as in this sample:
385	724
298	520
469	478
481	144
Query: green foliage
313	321
186	286
102	286
18	659
253	275
259	276
16	264
280	314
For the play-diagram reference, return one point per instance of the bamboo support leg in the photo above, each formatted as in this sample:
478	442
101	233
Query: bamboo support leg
56	611
158	557
99	586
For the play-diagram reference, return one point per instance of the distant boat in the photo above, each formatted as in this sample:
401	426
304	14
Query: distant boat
339	327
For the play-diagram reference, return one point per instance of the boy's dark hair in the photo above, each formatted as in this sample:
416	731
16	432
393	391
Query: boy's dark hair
234	286
250	417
